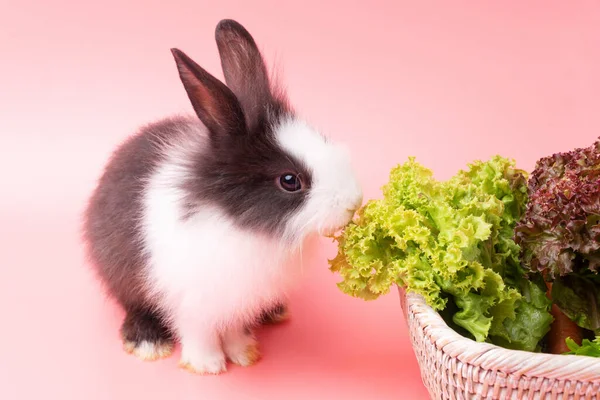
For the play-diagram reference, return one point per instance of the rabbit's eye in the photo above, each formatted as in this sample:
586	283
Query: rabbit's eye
290	182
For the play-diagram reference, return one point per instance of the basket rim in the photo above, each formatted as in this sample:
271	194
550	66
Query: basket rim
491	357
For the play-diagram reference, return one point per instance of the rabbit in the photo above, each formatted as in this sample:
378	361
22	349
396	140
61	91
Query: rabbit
197	223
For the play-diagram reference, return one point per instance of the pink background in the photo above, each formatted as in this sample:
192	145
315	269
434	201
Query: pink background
448	82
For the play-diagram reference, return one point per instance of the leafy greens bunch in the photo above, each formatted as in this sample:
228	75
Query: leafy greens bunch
452	242
560	232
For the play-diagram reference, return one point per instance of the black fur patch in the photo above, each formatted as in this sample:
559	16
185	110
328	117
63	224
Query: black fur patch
143	325
274	315
240	176
111	226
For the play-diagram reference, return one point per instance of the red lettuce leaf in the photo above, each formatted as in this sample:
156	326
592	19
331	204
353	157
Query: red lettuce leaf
560	230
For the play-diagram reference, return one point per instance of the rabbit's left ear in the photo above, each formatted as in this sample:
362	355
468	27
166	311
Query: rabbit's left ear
244	70
214	103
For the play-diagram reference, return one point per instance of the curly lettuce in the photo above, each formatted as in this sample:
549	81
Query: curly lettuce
590	348
452	242
561	227
560	231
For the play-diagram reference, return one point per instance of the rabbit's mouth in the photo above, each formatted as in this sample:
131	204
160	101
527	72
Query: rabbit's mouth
332	232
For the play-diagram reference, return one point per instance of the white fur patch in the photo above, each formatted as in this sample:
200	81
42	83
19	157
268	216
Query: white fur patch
205	273
241	348
213	364
335	194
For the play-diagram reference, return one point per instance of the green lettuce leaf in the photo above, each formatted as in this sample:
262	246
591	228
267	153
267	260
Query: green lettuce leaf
530	310
578	297
452	242
588	347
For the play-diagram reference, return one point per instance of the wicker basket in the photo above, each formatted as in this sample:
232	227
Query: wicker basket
454	367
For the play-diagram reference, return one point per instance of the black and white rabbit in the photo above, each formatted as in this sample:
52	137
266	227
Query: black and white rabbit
196	224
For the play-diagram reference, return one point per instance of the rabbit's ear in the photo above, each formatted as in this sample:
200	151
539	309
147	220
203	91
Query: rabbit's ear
214	103
244	70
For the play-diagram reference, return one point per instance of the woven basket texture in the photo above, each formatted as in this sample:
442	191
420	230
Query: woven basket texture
455	367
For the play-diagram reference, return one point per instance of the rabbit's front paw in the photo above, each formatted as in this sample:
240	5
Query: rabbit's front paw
241	347
202	355
204	364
